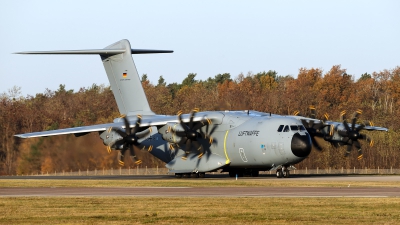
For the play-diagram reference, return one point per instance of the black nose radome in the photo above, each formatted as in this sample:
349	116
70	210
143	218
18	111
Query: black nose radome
301	145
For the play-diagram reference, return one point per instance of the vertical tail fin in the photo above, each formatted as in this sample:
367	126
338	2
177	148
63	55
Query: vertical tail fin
122	74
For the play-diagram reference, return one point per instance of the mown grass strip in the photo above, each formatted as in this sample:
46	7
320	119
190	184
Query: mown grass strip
196	210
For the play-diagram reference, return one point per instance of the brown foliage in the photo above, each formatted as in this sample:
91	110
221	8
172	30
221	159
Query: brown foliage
378	95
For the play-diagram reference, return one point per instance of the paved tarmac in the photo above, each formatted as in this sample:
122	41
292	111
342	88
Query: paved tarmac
223	176
211	191
204	191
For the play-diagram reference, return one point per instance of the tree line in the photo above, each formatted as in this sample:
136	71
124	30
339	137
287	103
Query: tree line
376	94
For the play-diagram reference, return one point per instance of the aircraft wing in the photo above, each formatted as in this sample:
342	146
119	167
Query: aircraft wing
147	121
74	130
369	128
375	128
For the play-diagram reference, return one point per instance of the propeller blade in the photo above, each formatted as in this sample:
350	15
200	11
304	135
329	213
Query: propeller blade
313	112
357	113
198	126
315	143
108	149
133	155
197	145
346	126
326	117
121	155
360	127
132	152
127	126
353	123
187	149
311	124
144	133
138	122
120	132
188	146
182	124
348	151
191	119
180	133
342	115
368	139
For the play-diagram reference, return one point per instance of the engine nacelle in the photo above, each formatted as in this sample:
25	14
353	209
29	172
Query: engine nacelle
168	134
109	138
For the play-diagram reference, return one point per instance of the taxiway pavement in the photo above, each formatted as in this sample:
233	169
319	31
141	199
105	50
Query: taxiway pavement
346	191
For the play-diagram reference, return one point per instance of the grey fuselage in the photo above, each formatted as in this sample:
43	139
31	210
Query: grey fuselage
246	140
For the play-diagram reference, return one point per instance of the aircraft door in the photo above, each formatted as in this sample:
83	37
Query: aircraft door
242	154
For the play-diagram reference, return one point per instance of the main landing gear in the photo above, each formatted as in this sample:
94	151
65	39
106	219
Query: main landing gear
283	172
190	175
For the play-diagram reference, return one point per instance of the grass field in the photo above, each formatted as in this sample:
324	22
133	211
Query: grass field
193	183
197	210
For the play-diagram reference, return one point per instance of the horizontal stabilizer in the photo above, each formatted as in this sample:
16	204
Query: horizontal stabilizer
96	52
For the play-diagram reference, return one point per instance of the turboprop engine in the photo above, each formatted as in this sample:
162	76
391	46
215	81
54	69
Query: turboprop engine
168	132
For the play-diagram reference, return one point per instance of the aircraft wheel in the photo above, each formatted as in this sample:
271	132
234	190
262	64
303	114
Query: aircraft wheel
202	175
185	175
178	175
279	173
286	173
194	175
232	173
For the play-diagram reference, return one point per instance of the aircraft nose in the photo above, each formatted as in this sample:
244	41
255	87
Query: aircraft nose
301	145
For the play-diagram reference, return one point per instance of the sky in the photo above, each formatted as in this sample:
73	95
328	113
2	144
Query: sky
208	38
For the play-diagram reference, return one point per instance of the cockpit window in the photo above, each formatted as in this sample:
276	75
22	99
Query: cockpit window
302	128
294	127
280	128
286	129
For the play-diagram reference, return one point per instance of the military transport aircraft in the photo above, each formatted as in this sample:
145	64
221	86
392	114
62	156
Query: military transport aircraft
238	142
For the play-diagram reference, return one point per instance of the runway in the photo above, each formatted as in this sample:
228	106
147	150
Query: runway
346	191
302	177
205	192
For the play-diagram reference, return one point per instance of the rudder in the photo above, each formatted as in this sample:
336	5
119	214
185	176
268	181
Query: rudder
125	82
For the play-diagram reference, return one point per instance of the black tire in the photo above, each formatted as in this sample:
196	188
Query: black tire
178	175
286	174
202	175
279	173
232	173
194	175
185	175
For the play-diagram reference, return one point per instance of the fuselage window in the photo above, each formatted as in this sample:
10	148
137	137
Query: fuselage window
286	129
280	128
294	127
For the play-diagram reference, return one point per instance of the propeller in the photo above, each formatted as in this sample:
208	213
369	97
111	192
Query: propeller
191	136
352	134
314	128
129	139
